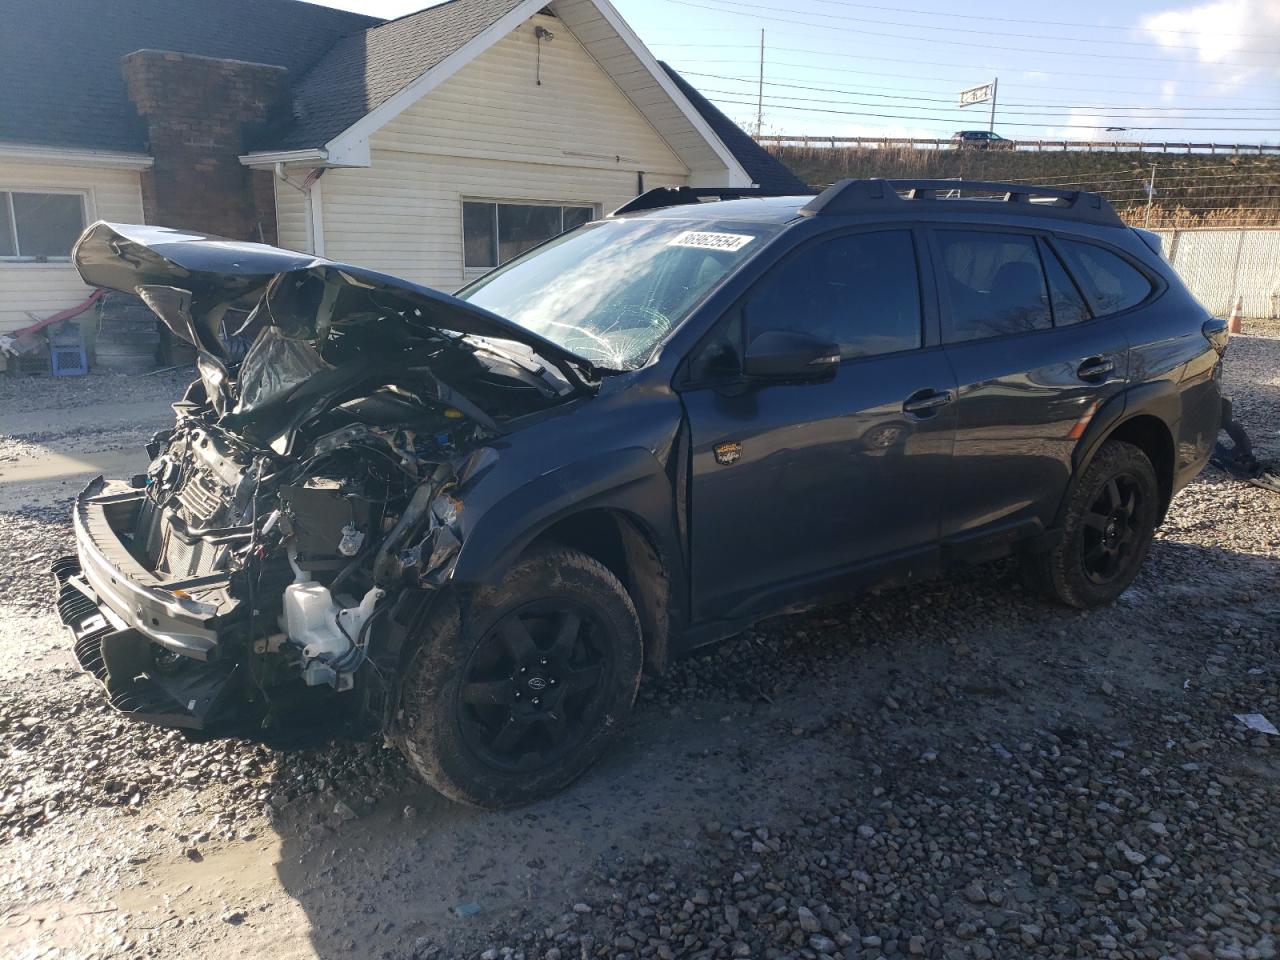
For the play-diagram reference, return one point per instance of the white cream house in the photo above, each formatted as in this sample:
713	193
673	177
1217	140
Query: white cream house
433	147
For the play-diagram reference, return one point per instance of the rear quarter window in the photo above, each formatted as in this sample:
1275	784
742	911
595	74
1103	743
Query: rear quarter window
1109	281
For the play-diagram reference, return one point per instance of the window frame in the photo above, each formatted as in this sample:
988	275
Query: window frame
733	315
6	211
943	288
470	273
1158	285
1048	250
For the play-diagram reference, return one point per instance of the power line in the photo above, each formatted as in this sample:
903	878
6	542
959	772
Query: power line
960	112
1065	126
897	36
974	67
862	86
951	100
950	29
1045	23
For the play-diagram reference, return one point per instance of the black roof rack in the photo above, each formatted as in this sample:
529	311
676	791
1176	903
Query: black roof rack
675	196
877	196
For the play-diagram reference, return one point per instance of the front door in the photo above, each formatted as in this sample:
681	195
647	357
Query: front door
794	484
1033	367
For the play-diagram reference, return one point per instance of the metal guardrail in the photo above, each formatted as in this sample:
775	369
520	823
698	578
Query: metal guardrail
1086	146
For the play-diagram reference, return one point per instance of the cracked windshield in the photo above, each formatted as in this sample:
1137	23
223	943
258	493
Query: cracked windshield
611	290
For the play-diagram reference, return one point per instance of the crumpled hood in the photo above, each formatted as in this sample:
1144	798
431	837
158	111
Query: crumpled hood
218	272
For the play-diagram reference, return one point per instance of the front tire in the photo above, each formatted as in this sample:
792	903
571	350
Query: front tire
1110	520
510	697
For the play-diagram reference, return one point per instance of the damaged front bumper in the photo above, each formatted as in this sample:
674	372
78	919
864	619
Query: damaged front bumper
150	642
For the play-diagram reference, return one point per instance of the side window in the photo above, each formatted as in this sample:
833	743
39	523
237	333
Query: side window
40	226
1068	305
1111	283
861	292
995	285
494	232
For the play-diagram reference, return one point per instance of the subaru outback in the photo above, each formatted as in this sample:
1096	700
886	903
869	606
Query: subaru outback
470	523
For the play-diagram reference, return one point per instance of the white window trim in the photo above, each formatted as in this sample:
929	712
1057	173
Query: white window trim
87	209
471	273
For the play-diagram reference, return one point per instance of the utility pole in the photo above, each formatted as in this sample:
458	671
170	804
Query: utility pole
1151	192
995	83
760	90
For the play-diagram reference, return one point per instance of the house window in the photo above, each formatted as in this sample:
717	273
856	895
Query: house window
494	232
40	226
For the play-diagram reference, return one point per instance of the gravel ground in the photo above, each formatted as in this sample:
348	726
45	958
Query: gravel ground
954	771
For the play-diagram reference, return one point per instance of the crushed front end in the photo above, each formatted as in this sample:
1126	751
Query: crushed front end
310	493
227	582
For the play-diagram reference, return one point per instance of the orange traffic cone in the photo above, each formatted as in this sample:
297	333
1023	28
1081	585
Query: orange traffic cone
1233	321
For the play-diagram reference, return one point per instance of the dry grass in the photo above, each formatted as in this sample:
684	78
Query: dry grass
1191	191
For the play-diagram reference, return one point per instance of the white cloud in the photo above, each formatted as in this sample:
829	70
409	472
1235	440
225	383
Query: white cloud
1082	124
1168	90
1222	32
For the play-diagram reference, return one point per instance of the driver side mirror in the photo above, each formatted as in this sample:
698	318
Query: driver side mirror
789	355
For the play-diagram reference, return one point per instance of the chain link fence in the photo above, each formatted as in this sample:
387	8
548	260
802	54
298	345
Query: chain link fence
1220	265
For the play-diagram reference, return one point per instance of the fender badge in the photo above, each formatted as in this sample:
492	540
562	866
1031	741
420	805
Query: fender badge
727	453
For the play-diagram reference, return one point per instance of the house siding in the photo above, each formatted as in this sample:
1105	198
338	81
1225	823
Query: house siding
44	289
490	131
291	215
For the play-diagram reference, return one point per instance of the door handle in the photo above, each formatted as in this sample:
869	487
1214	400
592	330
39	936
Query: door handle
1095	368
922	403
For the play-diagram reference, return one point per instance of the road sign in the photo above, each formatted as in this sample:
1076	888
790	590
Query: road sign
976	94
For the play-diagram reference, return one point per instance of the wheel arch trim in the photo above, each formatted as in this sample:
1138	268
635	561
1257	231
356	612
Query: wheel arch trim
1157	401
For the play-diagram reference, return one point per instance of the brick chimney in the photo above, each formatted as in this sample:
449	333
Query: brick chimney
198	112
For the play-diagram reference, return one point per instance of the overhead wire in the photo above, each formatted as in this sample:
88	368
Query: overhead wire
985	31
933	63
1064	126
897	36
951	100
993	19
959	110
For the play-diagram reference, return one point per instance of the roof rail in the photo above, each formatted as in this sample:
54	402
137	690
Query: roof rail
676	196
878	196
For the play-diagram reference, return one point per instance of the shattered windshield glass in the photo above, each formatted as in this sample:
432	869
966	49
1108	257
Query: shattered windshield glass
611	290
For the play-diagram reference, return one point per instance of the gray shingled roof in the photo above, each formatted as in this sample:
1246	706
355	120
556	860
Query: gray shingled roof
362	71
61	85
761	166
60	79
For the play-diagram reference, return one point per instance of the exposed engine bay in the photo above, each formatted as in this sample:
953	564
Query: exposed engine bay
315	477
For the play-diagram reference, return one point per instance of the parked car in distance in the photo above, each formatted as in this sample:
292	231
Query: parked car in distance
980	140
469	523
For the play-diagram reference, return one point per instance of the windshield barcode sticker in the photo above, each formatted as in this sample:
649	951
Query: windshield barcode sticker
731	242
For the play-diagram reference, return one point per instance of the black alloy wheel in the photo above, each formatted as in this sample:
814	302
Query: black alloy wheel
1108	522
1112	529
515	689
532	688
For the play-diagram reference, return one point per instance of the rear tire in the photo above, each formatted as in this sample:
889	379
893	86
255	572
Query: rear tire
1110	520
521	702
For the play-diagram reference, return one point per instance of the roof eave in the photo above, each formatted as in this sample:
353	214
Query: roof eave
350	148
738	176
78	156
269	158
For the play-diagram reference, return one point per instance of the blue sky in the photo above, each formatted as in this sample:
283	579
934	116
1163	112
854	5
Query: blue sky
1160	69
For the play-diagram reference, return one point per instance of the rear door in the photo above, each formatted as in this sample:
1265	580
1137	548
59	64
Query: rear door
793	484
1032	366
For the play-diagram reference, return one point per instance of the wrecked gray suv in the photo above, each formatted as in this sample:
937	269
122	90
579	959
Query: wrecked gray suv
470	522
